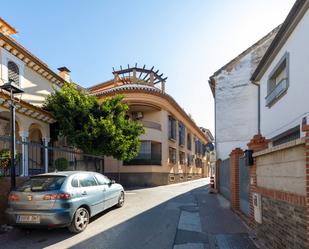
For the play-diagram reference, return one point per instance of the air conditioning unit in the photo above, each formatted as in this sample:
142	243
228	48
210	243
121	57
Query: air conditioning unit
303	121
137	115
257	205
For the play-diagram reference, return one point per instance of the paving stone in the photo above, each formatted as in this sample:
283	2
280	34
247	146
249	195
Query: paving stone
234	241
189	246
190	221
183	236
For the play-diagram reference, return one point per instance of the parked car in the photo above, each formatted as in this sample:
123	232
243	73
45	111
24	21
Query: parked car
63	199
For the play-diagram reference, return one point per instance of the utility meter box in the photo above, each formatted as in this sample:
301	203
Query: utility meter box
257	205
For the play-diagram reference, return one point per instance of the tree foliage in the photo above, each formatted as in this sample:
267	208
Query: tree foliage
95	128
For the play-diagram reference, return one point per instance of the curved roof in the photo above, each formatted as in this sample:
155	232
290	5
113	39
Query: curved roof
132	88
295	15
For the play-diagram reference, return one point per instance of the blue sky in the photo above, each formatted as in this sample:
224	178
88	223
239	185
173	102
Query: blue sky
185	40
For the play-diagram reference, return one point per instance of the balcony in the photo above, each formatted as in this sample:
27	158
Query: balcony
145	159
151	125
277	92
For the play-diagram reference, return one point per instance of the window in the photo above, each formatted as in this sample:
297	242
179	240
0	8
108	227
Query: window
171	128
181	133
278	81
189	160
198	163
287	136
198	147
74	182
42	183
182	158
102	180
189	142
172	155
13	72
87	181
149	154
145	150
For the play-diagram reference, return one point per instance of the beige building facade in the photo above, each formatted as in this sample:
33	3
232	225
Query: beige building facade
172	148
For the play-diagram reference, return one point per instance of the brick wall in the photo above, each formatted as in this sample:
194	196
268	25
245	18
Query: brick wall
305	128
284	224
234	178
5	185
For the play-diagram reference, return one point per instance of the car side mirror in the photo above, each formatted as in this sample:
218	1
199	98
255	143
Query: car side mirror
111	182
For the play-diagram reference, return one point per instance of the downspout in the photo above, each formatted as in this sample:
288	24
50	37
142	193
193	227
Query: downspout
259	109
259	106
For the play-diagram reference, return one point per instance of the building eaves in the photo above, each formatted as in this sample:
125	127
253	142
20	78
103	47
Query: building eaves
14	44
296	13
148	89
211	80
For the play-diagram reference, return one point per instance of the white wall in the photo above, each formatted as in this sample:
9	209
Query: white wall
288	111
236	102
35	86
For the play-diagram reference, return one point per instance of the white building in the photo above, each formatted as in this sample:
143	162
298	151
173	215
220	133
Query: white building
236	99
283	77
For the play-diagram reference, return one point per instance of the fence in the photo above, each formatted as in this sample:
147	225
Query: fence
31	158
244	187
224	180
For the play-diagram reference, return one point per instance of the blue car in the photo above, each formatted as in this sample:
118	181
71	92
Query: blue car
63	199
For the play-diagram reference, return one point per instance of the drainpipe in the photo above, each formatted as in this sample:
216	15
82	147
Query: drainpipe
259	105
259	109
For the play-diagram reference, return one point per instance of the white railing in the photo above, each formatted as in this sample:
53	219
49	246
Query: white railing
280	88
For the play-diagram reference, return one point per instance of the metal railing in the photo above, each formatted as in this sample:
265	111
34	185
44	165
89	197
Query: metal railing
35	158
145	159
280	88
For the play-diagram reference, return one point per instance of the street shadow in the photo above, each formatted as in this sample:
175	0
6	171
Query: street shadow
154	228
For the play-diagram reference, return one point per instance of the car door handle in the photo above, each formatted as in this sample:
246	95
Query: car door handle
84	193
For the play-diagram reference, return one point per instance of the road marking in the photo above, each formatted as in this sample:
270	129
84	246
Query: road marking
190	221
130	193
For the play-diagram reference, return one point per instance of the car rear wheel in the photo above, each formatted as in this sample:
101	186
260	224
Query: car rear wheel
120	199
80	220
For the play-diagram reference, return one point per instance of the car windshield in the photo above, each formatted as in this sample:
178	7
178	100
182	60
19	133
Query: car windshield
42	183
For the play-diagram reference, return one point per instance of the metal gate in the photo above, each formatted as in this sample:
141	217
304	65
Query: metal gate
244	193
224	176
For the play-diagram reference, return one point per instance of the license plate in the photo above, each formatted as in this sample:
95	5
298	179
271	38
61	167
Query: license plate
32	219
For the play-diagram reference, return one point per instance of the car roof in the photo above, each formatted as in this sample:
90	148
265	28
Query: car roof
65	173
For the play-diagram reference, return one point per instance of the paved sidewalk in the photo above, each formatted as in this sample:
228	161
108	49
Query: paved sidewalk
208	223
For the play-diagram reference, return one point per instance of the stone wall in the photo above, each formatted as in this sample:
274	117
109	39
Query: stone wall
5	185
150	179
283	168
284	225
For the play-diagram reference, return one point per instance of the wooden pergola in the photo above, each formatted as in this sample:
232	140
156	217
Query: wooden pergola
139	75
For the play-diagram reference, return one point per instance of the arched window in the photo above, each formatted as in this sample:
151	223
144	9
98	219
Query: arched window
13	72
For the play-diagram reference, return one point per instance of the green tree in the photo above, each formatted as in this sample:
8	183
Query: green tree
95	128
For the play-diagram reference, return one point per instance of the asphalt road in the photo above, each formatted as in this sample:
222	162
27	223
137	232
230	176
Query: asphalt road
148	220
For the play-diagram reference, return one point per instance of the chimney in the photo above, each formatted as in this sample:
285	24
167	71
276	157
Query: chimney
6	28
64	73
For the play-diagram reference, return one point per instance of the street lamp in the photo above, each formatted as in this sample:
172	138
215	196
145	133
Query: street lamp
12	89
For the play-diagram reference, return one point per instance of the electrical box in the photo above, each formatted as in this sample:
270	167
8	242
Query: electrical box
257	205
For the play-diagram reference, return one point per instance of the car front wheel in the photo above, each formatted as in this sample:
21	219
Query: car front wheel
120	199
80	220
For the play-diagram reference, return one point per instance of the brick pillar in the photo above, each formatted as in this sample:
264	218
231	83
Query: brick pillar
234	177
218	175
305	128
257	143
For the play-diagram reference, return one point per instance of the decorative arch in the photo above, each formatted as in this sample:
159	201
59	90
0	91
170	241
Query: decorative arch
5	124
13	72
